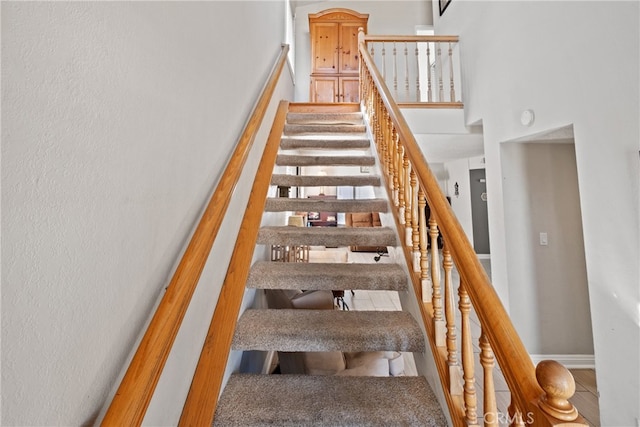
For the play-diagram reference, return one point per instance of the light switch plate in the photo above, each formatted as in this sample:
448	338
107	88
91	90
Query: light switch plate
544	240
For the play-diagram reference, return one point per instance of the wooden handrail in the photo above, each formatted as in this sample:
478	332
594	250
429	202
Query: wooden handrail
132	398
512	356
395	38
200	406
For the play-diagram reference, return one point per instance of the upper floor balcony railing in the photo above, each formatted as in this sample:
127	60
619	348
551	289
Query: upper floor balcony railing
419	70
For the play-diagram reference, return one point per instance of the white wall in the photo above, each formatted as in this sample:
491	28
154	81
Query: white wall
550	57
117	120
385	17
548	284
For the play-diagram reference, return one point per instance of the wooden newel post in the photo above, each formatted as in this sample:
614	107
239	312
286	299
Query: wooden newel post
558	385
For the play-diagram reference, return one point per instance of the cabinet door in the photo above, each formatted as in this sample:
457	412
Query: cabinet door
324	89
349	47
324	49
349	89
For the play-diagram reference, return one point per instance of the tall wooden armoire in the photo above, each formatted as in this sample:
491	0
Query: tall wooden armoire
334	54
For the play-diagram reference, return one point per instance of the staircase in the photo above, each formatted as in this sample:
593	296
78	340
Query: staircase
314	138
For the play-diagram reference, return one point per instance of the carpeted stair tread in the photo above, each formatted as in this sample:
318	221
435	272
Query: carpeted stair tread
283	204
326	276
321	128
324	117
327	330
296	160
327	236
324	143
327	400
324	181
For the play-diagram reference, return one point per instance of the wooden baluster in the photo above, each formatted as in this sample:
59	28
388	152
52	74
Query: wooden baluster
395	71
391	148
439	66
393	137
415	231
438	320
384	63
387	142
429	90
407	200
455	376
425	280
468	368
373	52
384	134
385	147
402	205
417	73
453	91
487	361
559	386
406	71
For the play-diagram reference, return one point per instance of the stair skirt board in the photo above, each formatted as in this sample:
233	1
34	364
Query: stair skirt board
305	400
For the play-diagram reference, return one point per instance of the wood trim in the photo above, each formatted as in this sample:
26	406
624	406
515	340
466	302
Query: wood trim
428	105
200	406
338	12
311	107
132	398
509	350
433	39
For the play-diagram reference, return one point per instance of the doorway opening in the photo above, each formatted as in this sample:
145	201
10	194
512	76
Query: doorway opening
546	264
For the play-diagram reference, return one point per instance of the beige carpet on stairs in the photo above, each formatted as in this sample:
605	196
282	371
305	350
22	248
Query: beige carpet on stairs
327	400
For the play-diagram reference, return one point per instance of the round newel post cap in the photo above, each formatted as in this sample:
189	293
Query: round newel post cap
558	385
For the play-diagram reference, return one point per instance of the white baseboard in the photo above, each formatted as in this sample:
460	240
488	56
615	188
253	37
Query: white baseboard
570	361
484	256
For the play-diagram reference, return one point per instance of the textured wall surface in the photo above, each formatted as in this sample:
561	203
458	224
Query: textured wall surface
117	120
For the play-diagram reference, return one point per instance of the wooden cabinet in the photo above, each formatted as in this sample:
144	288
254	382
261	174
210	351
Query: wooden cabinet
335	89
334	54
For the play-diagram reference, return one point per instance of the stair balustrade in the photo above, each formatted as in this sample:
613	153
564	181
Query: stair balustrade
424	69
539	396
